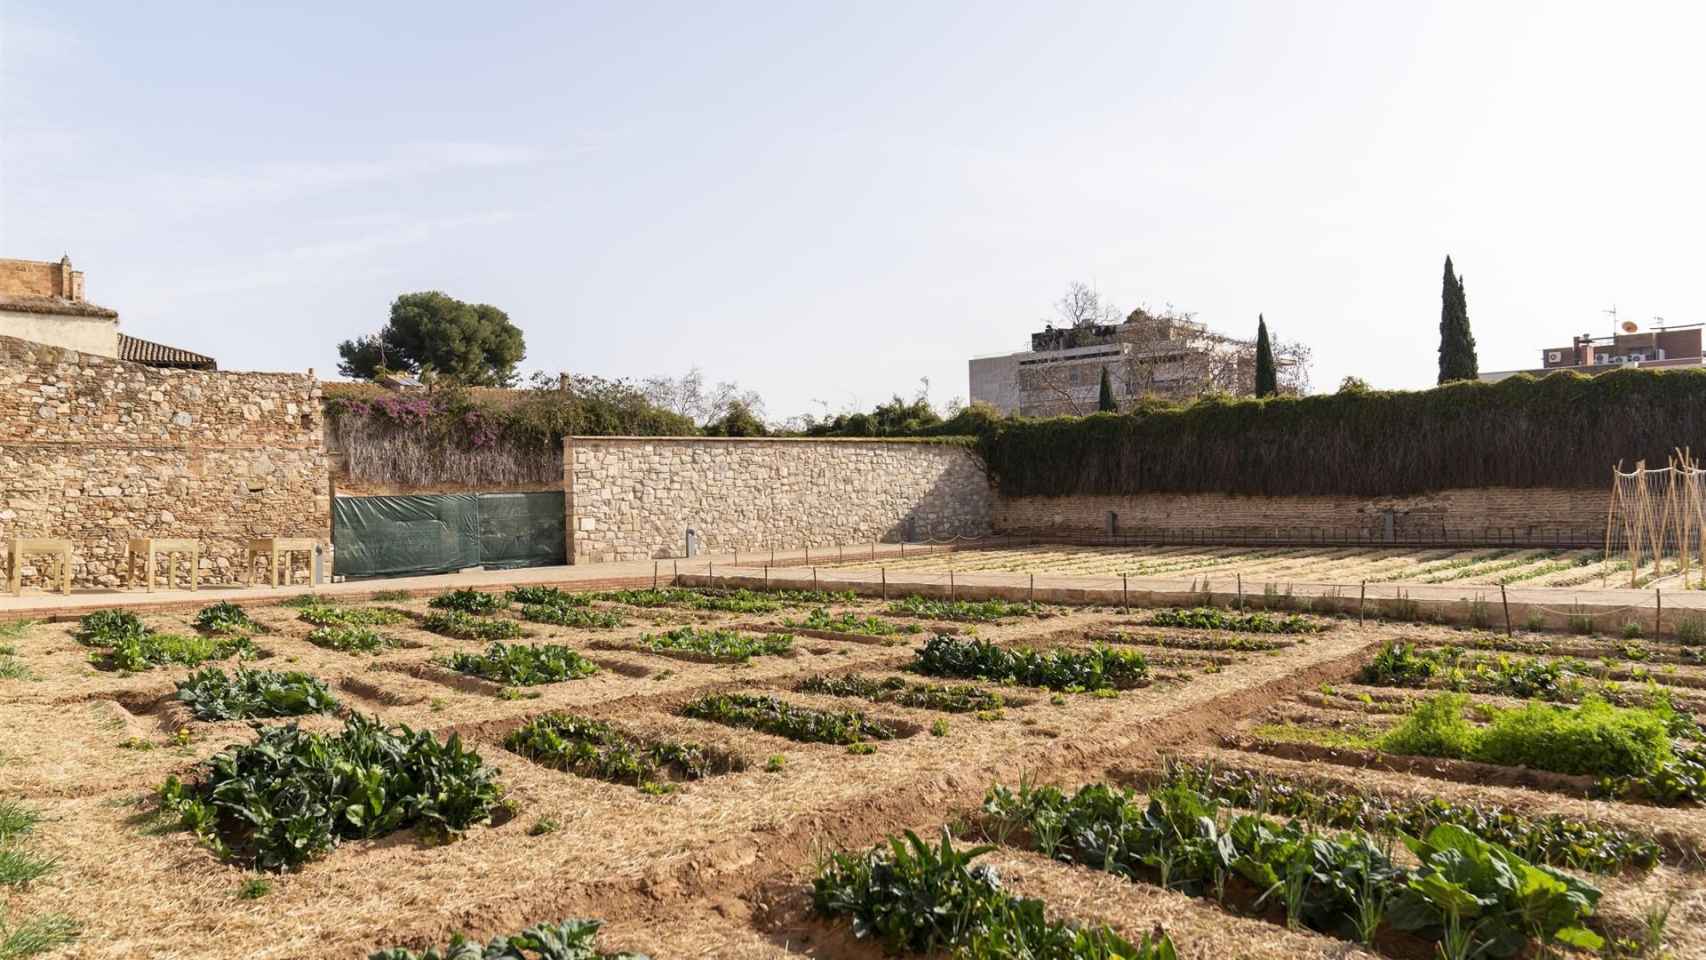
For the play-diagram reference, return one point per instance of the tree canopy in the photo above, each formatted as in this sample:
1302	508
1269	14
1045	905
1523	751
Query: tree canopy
473	344
1105	396
1267	375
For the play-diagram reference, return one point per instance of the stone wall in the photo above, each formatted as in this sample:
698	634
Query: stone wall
1506	511
634	498
97	451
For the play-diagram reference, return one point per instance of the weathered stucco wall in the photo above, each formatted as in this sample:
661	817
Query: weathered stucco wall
97	335
97	451
633	498
1507	511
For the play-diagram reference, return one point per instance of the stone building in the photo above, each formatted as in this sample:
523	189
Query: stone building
1165	355
43	302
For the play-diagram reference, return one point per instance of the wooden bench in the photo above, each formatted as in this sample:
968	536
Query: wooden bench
145	549
272	548
22	547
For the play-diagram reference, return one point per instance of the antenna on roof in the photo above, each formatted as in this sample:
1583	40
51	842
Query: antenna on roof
1612	313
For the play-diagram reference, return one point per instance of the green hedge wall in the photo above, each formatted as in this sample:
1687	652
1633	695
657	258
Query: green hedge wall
1565	430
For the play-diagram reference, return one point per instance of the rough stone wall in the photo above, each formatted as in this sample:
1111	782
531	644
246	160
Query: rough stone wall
1525	511
633	498
97	451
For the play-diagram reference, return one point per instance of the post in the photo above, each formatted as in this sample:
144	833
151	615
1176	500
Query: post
674	573
1033	586
814	579
1362	598
654	574
1505	599
885	583
766	578
1125	594
950	585
1659	612
1240	592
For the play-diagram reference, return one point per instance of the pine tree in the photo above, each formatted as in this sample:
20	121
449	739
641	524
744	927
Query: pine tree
1105	399
1456	344
1267	378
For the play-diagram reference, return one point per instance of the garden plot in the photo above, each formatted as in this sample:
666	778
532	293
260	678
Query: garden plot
687	802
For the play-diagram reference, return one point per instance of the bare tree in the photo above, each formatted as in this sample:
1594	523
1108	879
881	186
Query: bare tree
1082	306
689	396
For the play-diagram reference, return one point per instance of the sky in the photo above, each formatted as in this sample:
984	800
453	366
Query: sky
831	202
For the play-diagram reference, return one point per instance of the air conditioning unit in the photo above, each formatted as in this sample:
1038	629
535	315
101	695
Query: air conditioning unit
1554	356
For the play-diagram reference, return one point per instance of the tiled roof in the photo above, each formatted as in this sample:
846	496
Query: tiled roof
154	354
59	305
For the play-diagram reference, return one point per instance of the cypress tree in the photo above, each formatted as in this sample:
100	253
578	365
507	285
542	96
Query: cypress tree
1456	344
1105	400
1267	377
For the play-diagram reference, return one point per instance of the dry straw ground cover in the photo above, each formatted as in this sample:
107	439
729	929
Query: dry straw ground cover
721	865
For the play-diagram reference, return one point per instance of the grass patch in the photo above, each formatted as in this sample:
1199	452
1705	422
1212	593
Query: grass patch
467	626
722	645
1096	669
523	665
595	749
35	935
292	795
771	715
957	698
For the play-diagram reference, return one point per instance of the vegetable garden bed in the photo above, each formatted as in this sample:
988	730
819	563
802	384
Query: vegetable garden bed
768	714
601	751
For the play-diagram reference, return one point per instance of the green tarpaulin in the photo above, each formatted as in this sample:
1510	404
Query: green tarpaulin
442	533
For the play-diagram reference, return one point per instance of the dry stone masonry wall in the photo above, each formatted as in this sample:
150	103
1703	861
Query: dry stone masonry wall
635	498
98	451
1497	512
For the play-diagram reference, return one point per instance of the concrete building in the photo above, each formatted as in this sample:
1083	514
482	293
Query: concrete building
1660	347
42	301
1169	356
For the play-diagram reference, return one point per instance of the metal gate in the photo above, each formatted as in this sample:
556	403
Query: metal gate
443	533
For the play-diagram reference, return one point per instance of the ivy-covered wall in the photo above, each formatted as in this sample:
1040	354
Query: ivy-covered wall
1563	431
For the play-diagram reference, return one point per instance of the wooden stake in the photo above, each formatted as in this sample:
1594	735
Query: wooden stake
1125	594
1505	599
1240	592
654	574
885	583
1658	613
1362	598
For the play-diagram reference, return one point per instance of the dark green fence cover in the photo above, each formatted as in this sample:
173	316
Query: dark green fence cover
442	533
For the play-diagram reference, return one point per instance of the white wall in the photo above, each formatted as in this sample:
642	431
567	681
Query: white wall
96	335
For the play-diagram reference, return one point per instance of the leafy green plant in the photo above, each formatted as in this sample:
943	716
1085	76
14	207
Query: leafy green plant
775	764
254	888
350	639
1212	618
523	664
1632	630
771	715
468	600
911	896
391	596
137	652
569	616
225	617
104	628
291	795
327	615
1691	631
939	728
543	826
973	611
1099	668
958	698
569	940
466	626
595	749
213	695
850	622
723	645
547	597
1553	839
1595	738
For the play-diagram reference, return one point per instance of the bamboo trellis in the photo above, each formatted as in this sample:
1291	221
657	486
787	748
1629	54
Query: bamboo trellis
1658	516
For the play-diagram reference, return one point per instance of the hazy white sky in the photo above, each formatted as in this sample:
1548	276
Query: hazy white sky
828	201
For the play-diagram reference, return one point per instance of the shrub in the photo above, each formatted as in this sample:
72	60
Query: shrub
595	749
523	664
291	795
213	695
466	626
1096	669
771	715
725	645
468	601
224	617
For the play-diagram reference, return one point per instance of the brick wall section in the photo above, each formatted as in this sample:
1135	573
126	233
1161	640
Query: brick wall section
633	498
1524	510
97	451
